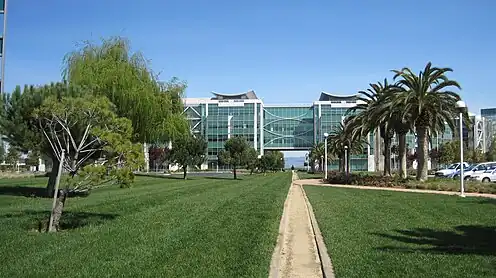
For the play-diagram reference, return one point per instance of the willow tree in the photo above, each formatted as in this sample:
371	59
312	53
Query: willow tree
126	79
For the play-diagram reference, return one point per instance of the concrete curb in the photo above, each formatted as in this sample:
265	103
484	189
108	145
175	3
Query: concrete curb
325	260
275	263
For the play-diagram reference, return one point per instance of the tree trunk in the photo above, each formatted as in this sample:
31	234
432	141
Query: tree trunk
234	172
348	162
146	152
52	177
59	207
378	150
387	156
422	153
402	154
185	171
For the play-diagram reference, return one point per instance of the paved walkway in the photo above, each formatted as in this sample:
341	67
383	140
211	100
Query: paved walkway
296	253
320	183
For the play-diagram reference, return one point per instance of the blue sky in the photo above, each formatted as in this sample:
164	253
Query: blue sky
287	51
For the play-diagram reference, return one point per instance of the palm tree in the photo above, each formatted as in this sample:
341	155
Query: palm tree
345	135
316	154
371	115
428	104
393	114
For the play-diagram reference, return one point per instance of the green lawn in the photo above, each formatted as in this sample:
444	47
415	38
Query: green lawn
204	227
372	233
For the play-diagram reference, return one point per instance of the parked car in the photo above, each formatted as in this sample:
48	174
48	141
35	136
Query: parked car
450	170
487	176
474	169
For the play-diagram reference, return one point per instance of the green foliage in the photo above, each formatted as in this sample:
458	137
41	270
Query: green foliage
475	156
272	160
236	153
87	129
12	157
447	152
455	145
32	159
252	161
443	184
491	154
123	176
428	104
316	154
188	150
2	151
125	78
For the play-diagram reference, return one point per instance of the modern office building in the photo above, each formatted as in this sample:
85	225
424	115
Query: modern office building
270	127
478	136
294	127
490	115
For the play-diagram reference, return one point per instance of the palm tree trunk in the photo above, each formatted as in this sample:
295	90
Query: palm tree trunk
387	156
377	150
422	153
402	154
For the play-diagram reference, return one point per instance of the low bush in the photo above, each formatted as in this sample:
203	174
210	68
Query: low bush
365	179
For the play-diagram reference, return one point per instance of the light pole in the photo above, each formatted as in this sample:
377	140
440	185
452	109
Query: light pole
461	106
325	155
346	162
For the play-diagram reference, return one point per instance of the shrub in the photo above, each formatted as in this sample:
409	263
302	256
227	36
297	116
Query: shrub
369	179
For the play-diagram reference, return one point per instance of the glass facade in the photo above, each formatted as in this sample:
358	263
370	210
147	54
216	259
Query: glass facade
490	115
288	128
329	117
221	121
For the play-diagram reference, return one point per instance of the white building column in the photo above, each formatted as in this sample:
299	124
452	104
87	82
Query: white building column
41	165
261	129
229	118
255	126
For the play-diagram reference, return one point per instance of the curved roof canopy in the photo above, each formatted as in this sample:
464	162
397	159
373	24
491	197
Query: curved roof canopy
330	97
248	95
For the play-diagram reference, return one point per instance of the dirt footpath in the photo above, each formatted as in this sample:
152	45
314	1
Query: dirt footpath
296	253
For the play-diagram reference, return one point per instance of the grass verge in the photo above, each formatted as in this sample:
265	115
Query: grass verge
372	233
306	175
202	227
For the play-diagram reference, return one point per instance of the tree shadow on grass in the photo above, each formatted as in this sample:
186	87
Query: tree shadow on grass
222	178
473	239
488	201
169	177
70	219
37	192
26	191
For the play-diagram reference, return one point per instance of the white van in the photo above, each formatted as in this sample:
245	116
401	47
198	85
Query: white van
475	169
